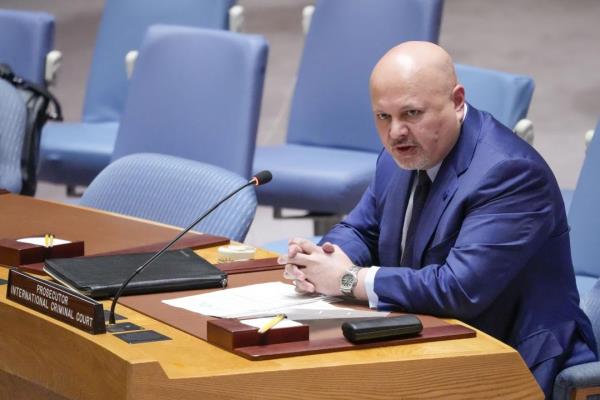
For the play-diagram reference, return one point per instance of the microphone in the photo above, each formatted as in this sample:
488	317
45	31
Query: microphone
259	179
262	177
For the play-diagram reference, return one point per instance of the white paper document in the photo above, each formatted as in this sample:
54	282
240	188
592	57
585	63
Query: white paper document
41	241
260	322
267	299
324	310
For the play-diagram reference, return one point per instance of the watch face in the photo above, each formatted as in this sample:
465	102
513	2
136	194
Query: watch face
347	280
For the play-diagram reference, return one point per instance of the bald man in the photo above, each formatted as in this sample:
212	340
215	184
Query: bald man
463	219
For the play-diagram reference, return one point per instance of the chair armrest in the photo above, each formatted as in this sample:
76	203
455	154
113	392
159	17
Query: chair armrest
53	63
524	129
236	18
307	13
583	377
588	137
130	59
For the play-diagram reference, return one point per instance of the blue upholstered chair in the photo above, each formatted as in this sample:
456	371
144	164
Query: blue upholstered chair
506	96
26	39
584	219
173	191
332	145
567	194
73	153
581	381
195	93
13	115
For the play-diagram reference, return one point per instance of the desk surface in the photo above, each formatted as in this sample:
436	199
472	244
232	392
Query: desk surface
44	358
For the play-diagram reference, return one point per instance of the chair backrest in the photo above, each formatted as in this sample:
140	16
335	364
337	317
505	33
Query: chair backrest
195	93
506	96
331	103
26	38
13	117
591	305
584	213
122	28
173	191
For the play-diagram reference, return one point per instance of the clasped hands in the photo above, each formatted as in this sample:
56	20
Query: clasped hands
315	269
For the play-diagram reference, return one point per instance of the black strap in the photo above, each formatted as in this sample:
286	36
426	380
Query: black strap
7	74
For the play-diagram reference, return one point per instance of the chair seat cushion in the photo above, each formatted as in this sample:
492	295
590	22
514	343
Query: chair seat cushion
577	376
74	153
314	178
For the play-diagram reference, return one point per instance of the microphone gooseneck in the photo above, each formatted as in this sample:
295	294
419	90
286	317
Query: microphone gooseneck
259	179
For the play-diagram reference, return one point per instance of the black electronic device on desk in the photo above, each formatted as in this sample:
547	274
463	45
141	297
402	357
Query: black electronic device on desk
382	328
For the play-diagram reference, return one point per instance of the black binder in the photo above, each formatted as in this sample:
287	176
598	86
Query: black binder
101	276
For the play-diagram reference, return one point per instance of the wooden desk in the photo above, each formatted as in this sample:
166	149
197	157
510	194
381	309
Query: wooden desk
44	358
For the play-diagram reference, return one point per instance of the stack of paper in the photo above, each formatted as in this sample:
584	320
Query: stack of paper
267	299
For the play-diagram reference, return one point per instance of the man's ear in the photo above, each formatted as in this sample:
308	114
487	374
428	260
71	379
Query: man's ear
458	98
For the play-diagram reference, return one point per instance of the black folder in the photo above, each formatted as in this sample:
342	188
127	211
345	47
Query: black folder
102	276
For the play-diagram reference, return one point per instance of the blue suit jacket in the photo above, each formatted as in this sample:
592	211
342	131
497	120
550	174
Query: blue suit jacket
492	247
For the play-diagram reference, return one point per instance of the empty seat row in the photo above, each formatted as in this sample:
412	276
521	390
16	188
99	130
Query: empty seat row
185	98
172	104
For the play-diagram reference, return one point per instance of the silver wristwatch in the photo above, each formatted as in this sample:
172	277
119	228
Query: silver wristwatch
349	280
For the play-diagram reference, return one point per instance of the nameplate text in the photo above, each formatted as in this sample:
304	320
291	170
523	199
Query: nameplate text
56	302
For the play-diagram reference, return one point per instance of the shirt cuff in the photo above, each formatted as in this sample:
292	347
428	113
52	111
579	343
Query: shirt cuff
370	287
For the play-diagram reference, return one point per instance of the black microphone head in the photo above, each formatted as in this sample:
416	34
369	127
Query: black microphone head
262	177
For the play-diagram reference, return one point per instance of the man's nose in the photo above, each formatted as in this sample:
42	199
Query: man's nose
398	130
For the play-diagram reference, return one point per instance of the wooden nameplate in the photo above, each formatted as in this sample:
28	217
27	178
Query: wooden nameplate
56	301
231	334
15	253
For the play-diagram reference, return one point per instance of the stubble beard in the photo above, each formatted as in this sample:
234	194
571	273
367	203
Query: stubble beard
419	162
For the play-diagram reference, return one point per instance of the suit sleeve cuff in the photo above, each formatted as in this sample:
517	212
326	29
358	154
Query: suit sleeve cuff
370	287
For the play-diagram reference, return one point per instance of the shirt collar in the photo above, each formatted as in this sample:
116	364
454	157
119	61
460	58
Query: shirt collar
433	171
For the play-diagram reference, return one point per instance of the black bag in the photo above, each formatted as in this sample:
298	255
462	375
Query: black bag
38	100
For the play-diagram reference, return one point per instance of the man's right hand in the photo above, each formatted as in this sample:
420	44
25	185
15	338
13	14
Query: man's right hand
292	271
324	266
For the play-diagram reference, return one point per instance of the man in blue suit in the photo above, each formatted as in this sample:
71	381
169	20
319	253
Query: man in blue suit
463	219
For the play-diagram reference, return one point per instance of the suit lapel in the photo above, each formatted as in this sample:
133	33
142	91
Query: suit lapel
441	192
446	182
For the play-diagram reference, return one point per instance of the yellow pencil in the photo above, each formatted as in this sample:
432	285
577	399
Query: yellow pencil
50	240
271	323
